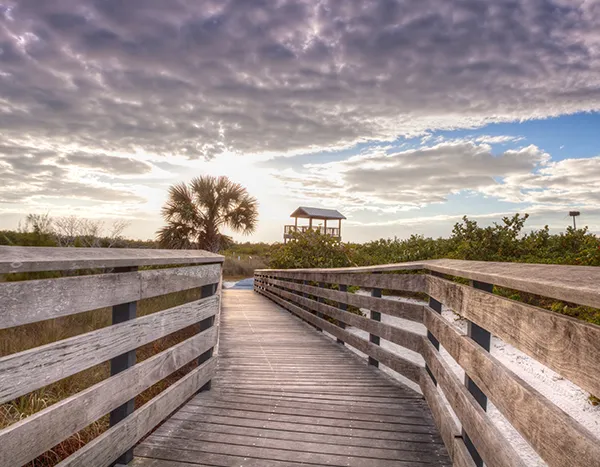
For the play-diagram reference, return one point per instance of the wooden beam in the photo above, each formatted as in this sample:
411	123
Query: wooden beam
23	372
27	258
38	300
36	434
397	308
566	345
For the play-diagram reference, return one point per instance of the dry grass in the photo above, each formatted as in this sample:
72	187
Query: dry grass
234	268
36	334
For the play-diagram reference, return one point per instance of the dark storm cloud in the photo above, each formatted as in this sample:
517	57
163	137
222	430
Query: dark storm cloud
201	77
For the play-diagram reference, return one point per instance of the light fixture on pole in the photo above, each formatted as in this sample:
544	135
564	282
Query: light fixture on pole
574	214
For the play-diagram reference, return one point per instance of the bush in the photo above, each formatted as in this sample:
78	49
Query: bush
310	250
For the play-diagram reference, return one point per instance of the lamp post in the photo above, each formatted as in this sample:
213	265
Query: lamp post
574	214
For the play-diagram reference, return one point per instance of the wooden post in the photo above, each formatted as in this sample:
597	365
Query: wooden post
483	338
376	316
310	222
437	307
325	227
340	229
207	291
342	306
320	300
121	313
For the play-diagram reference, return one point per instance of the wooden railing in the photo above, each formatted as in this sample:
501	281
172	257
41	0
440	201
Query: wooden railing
566	345
112	279
331	231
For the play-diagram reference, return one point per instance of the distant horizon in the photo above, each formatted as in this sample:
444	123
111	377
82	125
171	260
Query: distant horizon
404	116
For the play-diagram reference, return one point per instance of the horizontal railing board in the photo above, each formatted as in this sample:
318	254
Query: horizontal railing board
491	445
399	336
567	345
403	282
37	300
32	369
446	425
406	368
461	455
555	436
397	308
27	259
34	435
576	284
107	447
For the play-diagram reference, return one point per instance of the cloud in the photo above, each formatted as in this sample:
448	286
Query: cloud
417	177
200	78
105	163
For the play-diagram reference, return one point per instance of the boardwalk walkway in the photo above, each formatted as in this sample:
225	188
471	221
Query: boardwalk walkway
286	395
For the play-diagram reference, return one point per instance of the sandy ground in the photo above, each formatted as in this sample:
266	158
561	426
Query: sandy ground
563	393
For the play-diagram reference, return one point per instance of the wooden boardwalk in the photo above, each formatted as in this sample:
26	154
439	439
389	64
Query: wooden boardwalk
287	395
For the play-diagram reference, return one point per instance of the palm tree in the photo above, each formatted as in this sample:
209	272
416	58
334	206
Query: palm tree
196	212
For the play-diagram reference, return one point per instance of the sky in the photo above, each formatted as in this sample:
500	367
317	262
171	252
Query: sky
404	115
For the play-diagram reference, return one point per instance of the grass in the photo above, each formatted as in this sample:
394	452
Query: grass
33	335
242	268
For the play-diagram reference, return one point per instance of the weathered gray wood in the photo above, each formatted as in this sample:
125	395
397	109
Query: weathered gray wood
30	301
399	336
403	282
566	345
461	456
111	444
487	438
32	369
32	436
399	309
32	258
577	284
556	437
286	394
441	414
405	367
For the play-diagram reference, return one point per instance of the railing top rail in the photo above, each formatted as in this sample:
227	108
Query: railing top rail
577	284
28	259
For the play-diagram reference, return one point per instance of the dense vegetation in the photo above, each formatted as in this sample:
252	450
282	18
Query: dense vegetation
505	241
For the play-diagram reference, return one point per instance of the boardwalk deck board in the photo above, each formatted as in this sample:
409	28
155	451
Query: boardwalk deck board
287	395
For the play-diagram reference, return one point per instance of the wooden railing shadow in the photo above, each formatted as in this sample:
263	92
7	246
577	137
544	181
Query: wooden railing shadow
112	279
566	345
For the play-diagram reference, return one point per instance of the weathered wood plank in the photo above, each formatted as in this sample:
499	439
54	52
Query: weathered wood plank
37	300
404	282
556	437
446	425
566	345
399	336
576	284
285	394
399	309
112	443
405	367
38	433
32	369
32	258
487	438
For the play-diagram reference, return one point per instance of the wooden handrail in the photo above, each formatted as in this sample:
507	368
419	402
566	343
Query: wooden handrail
32	301
568	346
15	259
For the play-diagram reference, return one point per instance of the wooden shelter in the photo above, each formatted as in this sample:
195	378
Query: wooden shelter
315	214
